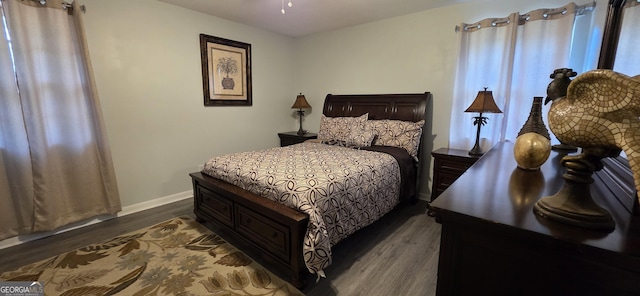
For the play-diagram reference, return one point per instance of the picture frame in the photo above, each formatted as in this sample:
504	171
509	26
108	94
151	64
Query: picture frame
226	71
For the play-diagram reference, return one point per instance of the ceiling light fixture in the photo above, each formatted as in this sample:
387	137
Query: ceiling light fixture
290	4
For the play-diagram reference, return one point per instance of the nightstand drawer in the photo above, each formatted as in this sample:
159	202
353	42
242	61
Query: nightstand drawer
448	166
455	165
290	138
446	179
290	141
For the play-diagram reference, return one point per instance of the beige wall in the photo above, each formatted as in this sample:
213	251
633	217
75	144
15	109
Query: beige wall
146	59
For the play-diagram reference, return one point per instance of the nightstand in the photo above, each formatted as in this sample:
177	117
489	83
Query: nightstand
448	165
290	138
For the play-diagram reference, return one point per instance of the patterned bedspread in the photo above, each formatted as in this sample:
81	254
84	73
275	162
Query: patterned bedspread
341	189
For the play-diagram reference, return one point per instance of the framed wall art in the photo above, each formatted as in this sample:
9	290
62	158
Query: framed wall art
226	71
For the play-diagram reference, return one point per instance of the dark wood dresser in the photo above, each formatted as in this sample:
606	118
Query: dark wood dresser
290	138
448	166
493	244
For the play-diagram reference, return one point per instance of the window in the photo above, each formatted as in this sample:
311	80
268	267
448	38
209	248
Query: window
513	57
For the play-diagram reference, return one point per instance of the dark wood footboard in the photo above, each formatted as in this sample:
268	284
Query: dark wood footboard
274	231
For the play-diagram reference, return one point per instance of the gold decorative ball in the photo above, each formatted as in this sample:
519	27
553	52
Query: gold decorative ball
531	150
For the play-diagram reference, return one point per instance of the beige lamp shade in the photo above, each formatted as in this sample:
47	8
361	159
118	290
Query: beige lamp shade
301	103
484	103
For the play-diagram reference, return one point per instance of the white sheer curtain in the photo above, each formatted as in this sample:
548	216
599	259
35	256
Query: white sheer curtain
627	58
513	57
55	164
485	60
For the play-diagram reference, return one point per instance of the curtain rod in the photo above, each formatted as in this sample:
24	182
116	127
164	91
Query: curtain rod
65	5
522	19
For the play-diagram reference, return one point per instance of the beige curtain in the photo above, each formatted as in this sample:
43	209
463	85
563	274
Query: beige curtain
55	163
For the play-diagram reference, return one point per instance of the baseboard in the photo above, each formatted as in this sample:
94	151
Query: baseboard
128	210
145	205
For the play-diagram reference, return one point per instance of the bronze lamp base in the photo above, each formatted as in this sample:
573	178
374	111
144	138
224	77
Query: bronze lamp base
301	131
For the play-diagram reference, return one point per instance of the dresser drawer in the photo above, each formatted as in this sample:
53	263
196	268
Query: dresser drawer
215	205
270	234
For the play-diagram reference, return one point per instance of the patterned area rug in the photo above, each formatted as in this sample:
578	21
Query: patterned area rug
176	257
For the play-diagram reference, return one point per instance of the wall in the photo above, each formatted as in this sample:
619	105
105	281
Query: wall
412	53
146	59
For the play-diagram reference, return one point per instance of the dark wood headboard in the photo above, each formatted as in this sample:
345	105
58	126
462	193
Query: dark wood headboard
408	107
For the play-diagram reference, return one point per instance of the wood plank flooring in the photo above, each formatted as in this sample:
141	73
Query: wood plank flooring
397	255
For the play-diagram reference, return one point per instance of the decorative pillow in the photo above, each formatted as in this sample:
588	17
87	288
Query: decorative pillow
361	137
397	133
342	130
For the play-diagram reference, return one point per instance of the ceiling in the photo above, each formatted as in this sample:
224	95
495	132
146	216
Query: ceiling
306	17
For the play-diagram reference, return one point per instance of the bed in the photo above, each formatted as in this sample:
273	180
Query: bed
284	224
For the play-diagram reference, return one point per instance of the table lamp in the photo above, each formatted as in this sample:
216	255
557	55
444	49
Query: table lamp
301	103
483	103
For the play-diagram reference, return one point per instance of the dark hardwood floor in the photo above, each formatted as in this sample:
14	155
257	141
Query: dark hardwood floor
397	255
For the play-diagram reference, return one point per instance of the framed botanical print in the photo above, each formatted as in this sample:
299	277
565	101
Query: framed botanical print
226	71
